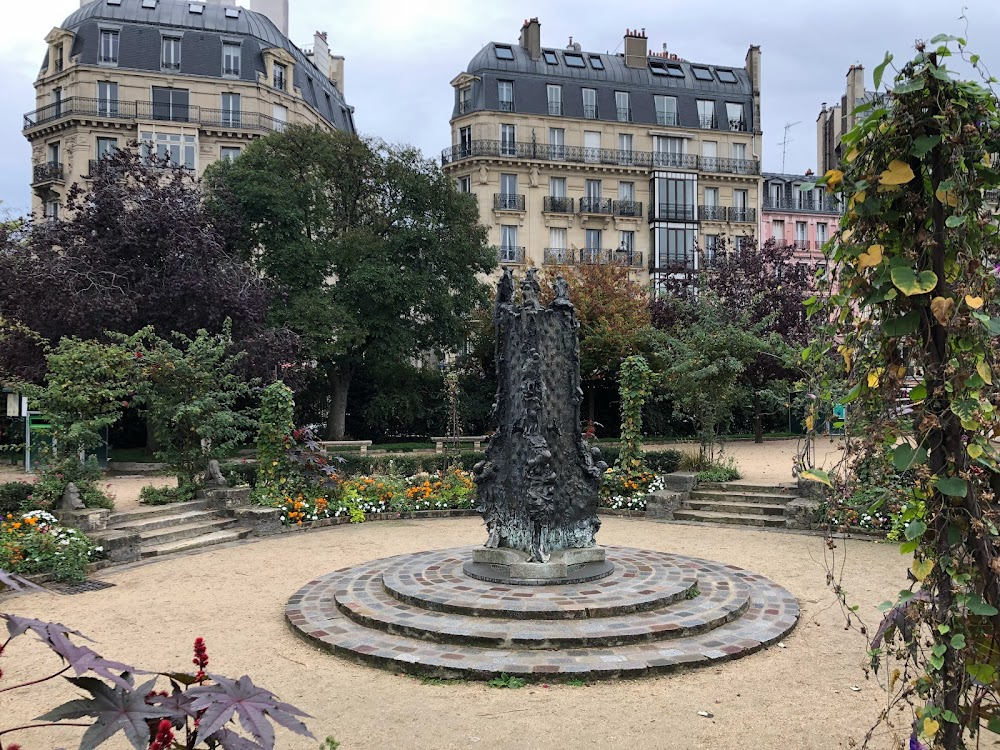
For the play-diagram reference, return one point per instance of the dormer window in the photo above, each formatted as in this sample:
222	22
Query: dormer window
504	53
280	76
231	59
170	53
59	58
464	100
109	47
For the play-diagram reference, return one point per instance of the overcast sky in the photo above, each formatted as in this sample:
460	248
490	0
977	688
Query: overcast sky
401	55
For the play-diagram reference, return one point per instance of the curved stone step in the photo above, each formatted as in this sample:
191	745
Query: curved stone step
186	545
720	598
733	506
435	581
742	497
185	530
737	519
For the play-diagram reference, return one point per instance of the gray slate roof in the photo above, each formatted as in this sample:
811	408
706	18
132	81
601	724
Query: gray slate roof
531	77
202	36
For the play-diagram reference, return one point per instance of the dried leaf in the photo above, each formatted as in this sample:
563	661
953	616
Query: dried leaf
974	302
898	173
942	308
871	258
922	568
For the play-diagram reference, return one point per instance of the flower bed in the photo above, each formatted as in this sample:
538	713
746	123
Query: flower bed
627	492
34	543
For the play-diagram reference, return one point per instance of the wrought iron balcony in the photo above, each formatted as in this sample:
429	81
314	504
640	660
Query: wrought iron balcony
802	244
594	255
712	213
464	105
170	65
625	257
590	111
589	155
510	254
506	105
555	109
554	205
279	83
595	205
743	215
227	71
508	201
108	59
628	208
97	167
802	202
558	256
667	118
624	114
50	171
672	212
707	121
739	125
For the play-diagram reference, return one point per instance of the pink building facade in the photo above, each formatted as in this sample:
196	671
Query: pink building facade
804	219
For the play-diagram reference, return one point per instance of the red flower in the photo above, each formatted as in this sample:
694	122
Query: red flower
200	658
164	736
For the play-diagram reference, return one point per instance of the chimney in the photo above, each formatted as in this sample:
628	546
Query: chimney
531	38
635	49
321	53
275	10
752	65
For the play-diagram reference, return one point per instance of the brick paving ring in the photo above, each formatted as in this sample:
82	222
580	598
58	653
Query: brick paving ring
656	612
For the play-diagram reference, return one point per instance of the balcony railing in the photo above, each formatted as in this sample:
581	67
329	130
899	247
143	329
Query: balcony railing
78	106
558	256
170	65
743	215
589	155
108	59
508	201
554	205
739	125
50	171
628	208
804	202
590	111
510	254
672	212
667	118
595	205
279	83
594	255
802	244
230	71
604	256
98	167
555	109
506	105
624	114
712	213
464	105
707	121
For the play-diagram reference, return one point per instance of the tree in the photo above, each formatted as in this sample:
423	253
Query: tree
913	302
374	250
137	249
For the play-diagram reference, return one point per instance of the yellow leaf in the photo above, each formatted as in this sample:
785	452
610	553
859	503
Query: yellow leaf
887	188
975	450
922	568
846	353
898	173
809	423
859	197
833	178
871	258
931	727
901	372
948	197
942	308
974	302
983	368
895	677
851	155
970	424
846	235
873	380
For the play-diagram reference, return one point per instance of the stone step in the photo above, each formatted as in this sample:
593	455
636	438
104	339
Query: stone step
185	531
152	511
740	508
740	519
750	488
741	497
142	525
206	540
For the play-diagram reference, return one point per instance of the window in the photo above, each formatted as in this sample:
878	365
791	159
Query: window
465	184
596	62
626	241
51	210
801	235
231	110
505	93
149	4
465	141
622	105
557	187
673	246
726	76
508	184
280	114
509	251
554	94
197	8
734	113
666	110
280	74
668	151
504	53
626	191
774	190
739	151
557	143
170	53
675	71
550	57
229	153
107	98
709	149
675	198
711	248
821	233
106	146
58	54
625	155
706	113
590	104
55	153
658	69
593	239
573	61
176	148
557	245
170	104
778	230
231	59
591	146
508	143
232	12
464	100
109	47
740	202
57	98
712	197
702	74
592	189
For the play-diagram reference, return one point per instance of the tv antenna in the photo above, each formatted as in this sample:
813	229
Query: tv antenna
784	143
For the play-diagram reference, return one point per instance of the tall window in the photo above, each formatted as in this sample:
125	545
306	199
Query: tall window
505	93
775	190
710	249
706	113
801	234
739	151
557	252
623	107
55	153
625	155
231	110
668	151
106	146
229	153
593	189
666	110
590	104
464	100
626	244
740	202
734	112
554	94
557	143
57	98
170	53
465	184
52	209
626	191
508	185
107	98
59	58
465	141
593	246
712	198
591	146
280	75
674	246
280	114
508	144
679	197
778	230
170	104
509	250
231	59
109	46
739	154
557	187
178	148
821	234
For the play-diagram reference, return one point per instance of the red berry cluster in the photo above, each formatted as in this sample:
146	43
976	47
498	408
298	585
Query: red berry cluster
164	736
200	658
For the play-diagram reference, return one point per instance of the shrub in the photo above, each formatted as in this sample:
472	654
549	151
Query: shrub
663	462
34	542
243	473
15	497
182	493
719	473
57	473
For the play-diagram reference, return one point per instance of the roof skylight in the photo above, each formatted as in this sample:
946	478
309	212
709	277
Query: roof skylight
726	76
504	53
596	62
702	74
550	57
573	60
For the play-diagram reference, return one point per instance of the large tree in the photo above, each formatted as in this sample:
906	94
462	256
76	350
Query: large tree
375	251
137	248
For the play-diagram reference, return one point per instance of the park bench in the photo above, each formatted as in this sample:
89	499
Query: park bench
361	445
476	440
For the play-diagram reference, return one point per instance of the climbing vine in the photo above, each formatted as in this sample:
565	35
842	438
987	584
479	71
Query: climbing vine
913	315
274	436
634	389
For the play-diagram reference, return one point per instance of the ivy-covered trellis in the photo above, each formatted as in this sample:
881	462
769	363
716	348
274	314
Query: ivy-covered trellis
913	318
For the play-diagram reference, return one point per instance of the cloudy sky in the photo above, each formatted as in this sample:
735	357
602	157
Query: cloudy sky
401	55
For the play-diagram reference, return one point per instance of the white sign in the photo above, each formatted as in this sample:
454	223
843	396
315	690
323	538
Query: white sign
13	405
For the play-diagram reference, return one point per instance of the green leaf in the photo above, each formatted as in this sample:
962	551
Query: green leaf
958	641
880	69
977	606
983	673
905	456
949	716
954	221
923	145
994	725
915	530
903	325
918	392
908	87
909	282
817	475
952	486
939	649
907	548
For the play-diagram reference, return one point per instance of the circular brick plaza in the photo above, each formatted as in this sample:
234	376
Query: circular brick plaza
656	612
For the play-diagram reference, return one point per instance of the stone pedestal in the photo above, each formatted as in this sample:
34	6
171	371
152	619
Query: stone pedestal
511	566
